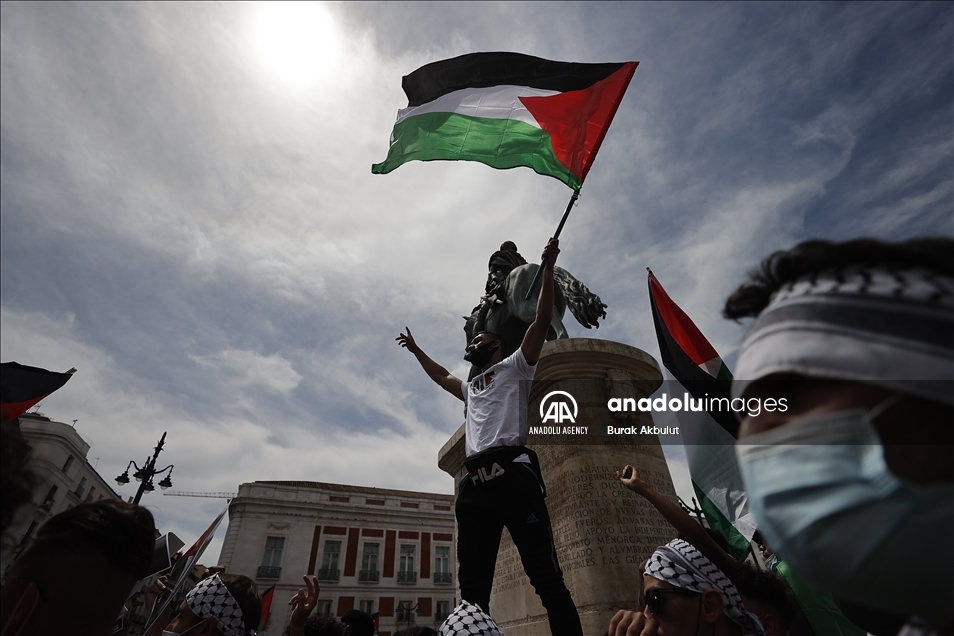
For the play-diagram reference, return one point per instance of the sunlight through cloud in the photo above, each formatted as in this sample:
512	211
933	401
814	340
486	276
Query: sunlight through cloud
296	41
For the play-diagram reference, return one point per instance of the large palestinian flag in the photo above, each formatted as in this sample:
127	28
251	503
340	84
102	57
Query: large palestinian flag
508	110
21	387
708	436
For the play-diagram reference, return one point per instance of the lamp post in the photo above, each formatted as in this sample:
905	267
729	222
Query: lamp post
147	472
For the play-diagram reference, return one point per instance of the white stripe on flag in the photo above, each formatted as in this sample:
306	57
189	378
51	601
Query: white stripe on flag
710	455
494	102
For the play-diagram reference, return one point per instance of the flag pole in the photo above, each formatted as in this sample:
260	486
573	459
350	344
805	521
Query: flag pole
556	235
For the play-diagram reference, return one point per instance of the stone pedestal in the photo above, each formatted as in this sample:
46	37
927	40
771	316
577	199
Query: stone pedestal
601	530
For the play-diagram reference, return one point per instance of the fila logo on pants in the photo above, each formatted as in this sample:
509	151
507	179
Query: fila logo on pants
483	475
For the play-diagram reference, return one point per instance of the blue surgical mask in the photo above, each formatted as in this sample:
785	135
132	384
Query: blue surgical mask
829	506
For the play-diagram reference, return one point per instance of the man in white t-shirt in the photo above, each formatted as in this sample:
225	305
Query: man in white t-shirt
504	487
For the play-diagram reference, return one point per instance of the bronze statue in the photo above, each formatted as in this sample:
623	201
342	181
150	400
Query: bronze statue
504	310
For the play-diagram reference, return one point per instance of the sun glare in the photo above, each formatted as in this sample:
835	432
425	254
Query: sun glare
297	41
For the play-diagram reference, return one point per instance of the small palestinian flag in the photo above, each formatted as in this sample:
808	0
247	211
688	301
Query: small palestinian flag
266	608
508	110
708	434
21	387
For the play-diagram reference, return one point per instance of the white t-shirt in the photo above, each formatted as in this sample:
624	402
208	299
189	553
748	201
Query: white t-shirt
497	402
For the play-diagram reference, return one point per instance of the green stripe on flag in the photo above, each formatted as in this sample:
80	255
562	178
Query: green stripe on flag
738	544
498	143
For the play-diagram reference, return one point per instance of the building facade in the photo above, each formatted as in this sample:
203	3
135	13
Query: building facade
64	478
389	552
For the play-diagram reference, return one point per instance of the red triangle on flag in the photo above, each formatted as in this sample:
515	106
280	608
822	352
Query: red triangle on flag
577	121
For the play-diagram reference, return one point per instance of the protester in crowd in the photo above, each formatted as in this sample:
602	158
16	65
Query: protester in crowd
504	487
853	483
302	605
359	623
468	619
78	571
16	481
220	605
685	594
765	596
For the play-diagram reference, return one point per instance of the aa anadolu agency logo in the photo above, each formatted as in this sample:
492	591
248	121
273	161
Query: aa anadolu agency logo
555	407
558	408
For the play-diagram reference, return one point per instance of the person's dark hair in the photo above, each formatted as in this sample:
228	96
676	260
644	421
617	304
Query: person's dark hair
816	256
765	587
124	534
245	593
16	481
497	336
360	623
417	630
317	625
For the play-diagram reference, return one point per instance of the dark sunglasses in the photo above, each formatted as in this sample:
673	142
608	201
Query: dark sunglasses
653	598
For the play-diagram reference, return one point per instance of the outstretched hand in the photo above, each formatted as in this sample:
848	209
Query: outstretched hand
629	477
303	604
551	251
407	341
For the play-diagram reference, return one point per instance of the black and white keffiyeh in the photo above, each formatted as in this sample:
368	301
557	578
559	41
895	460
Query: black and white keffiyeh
468	619
680	564
211	599
890	328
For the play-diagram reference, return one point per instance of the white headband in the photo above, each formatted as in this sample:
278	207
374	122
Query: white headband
889	328
210	598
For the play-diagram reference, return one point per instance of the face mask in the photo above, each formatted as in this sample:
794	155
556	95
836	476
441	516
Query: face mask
481	355
830	508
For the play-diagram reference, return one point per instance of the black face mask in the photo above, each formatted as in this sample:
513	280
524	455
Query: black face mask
481	355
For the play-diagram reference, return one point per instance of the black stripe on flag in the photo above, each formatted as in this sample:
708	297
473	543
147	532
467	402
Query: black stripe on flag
480	70
694	379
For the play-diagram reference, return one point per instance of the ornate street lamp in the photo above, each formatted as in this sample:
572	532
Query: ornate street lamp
147	473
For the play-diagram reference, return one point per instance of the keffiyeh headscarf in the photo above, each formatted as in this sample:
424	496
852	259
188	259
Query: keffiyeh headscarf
680	564
211	599
894	329
469	620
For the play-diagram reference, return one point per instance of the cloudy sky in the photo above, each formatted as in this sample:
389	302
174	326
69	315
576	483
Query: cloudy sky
189	216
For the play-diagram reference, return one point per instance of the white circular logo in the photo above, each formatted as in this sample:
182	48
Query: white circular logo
558	411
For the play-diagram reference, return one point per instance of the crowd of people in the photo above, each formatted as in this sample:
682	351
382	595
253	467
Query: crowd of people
852	486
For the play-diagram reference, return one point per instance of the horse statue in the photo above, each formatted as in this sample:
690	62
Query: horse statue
505	311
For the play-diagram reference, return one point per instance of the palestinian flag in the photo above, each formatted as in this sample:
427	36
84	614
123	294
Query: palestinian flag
697	371
508	110
21	387
266	608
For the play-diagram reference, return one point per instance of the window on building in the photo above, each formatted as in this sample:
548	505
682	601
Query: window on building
68	463
324	608
407	558
329	561
369	563
50	498
81	488
366	606
272	558
442	564
92	489
406	572
442	611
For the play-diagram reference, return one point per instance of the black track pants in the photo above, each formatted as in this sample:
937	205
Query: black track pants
513	500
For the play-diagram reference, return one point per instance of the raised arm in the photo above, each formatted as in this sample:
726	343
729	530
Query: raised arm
537	333
436	372
693	532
